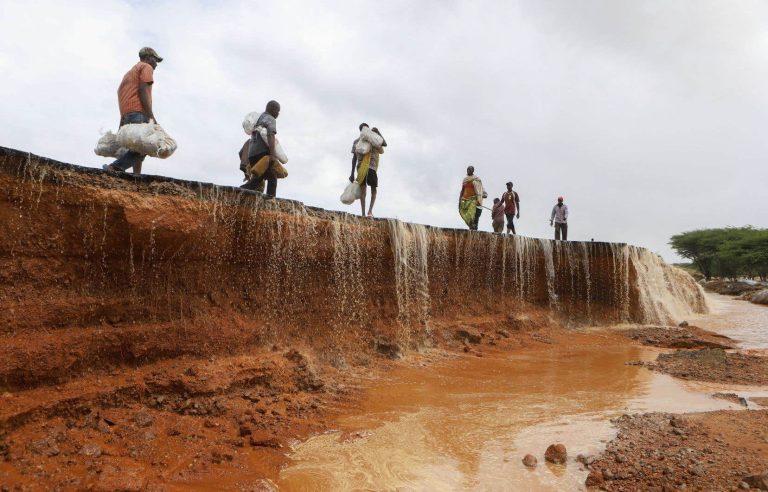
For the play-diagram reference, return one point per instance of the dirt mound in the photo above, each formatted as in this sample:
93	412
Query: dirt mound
713	365
702	451
688	337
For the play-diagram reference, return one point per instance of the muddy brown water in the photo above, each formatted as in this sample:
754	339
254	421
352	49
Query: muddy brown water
741	320
466	424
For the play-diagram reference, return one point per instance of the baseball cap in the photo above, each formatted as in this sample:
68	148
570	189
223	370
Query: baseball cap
147	51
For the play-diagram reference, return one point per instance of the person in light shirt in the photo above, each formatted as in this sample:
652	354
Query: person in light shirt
559	219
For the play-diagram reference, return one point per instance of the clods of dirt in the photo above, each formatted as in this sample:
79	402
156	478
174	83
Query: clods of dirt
713	365
684	337
701	451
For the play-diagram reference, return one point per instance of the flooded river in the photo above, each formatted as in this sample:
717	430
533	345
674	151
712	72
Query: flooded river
740	320
465	424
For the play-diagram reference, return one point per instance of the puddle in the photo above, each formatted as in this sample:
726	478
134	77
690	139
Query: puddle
467	424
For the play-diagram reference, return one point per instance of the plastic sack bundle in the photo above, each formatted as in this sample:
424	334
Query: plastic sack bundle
368	138
279	152
249	122
146	138
107	146
351	193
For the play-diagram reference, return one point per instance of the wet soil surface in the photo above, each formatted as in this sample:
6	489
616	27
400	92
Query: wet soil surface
164	424
720	450
723	450
688	337
714	365
205	423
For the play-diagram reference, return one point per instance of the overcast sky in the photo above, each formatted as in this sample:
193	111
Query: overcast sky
650	117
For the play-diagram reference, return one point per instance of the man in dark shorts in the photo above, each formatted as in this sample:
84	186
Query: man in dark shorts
259	149
371	177
511	205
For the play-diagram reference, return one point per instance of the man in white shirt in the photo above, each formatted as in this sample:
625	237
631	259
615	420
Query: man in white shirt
560	218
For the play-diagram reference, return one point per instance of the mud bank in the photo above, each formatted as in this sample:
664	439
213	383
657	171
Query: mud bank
152	329
125	270
721	450
697	451
714	364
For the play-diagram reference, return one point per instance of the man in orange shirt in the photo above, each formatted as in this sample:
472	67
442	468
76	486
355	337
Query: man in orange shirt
134	97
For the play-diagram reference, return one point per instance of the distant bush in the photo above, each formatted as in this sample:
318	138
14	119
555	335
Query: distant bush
729	252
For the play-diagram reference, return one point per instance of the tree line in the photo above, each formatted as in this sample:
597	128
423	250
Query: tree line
729	252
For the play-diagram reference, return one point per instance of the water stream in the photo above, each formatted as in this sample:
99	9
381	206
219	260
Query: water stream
465	424
743	321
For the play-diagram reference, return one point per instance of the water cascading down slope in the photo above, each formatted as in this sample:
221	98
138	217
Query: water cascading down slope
101	270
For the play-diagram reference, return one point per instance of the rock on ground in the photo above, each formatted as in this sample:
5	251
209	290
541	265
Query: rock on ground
530	461
556	453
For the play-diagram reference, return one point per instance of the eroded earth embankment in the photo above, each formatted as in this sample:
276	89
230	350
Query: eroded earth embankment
124	294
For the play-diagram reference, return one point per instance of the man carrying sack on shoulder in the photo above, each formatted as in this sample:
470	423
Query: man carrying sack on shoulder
134	97
261	154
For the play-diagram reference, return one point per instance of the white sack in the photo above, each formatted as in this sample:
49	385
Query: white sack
351	193
107	146
146	138
362	147
368	138
279	152
249	122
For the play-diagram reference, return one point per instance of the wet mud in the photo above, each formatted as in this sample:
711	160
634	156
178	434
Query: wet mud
696	451
714	365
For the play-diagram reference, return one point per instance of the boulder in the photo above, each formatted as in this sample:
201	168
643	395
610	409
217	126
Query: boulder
556	453
530	461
